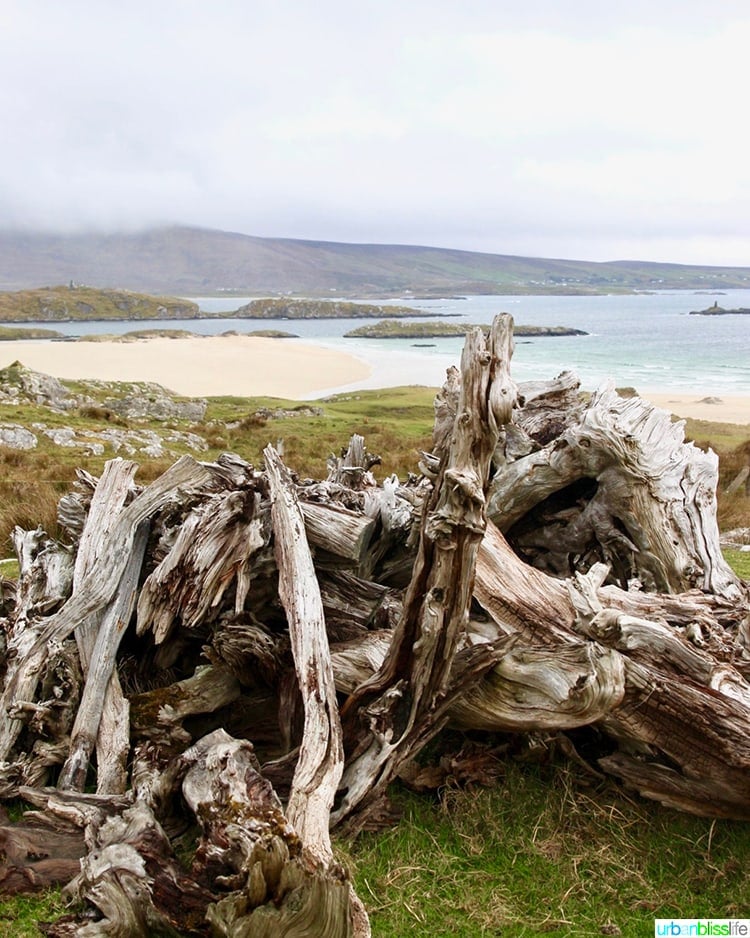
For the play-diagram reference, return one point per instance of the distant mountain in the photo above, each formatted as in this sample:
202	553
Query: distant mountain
195	261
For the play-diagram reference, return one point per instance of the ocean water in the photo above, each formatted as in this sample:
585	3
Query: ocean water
649	342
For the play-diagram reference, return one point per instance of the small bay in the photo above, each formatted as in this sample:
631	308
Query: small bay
647	341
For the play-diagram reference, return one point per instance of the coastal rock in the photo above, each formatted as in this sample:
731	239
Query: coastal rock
391	329
291	308
66	436
77	302
19	383
153	403
148	442
281	413
14	436
717	310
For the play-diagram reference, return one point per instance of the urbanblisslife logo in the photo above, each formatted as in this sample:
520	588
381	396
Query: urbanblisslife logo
710	927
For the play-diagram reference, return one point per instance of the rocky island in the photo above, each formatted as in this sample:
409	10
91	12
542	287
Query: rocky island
390	329
287	308
78	303
717	310
75	303
21	333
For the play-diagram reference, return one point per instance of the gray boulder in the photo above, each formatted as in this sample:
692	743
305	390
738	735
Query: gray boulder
15	436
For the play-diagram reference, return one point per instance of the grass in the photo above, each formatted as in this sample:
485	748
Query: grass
545	852
739	561
20	915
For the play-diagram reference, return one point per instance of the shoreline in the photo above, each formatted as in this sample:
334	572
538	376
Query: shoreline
293	369
702	405
197	366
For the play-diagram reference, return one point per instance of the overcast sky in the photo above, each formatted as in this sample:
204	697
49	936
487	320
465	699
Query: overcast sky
559	128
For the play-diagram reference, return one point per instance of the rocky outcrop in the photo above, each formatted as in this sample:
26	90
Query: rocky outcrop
112	440
321	309
736	539
717	310
390	329
20	384
132	401
151	402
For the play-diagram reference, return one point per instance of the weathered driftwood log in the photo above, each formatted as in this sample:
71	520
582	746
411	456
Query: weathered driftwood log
249	846
101	583
37	854
103	706
669	709
211	596
212	551
321	756
406	701
620	486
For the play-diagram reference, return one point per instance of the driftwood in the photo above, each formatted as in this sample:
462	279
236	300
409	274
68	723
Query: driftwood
237	660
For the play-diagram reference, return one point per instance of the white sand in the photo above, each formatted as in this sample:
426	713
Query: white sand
195	367
703	405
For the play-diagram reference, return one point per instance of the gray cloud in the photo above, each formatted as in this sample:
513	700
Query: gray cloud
555	129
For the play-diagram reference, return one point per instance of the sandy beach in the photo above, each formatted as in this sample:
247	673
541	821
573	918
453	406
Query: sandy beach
248	366
703	405
213	366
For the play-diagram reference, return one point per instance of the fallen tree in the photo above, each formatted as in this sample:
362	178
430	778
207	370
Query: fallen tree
236	659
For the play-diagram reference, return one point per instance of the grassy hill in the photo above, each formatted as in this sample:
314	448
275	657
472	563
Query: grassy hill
194	261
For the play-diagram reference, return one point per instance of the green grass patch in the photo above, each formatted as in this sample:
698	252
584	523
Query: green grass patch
544	852
396	424
720	437
739	561
20	915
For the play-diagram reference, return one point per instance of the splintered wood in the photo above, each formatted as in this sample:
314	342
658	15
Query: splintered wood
229	662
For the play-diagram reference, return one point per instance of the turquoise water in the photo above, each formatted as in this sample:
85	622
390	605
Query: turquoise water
649	342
